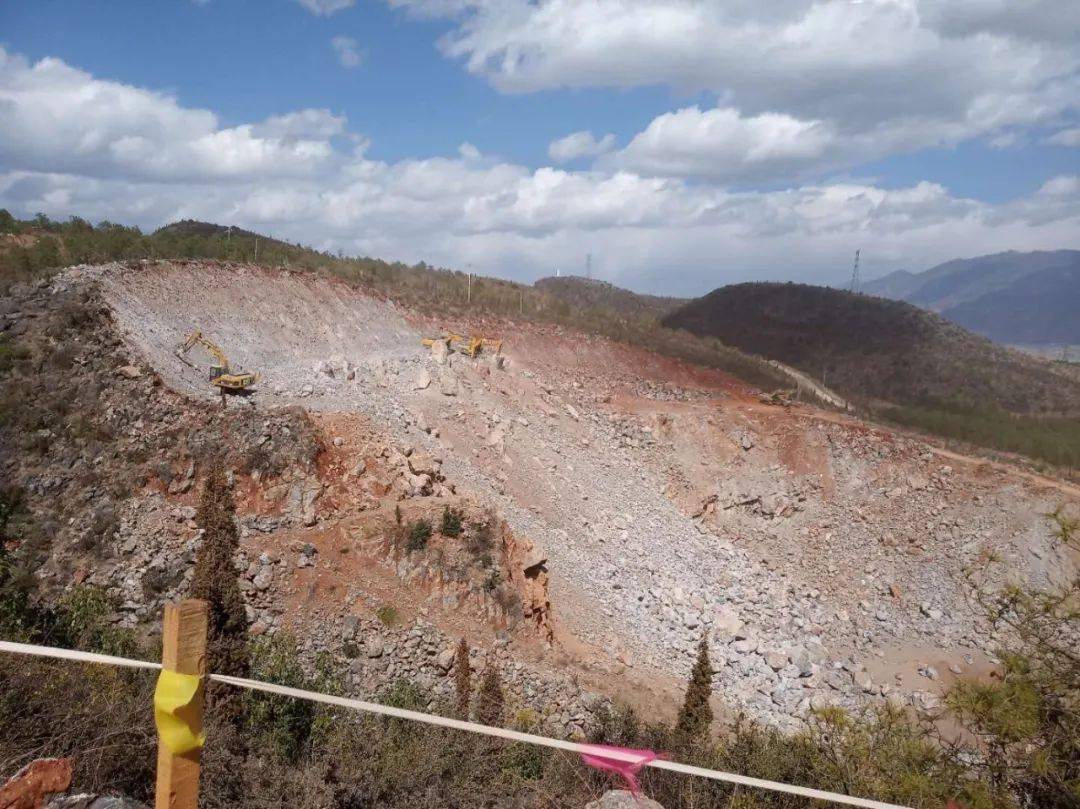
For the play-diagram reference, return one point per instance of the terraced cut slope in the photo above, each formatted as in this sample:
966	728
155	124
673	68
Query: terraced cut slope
646	502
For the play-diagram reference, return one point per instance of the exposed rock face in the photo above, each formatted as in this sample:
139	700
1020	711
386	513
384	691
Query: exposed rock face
526	565
787	543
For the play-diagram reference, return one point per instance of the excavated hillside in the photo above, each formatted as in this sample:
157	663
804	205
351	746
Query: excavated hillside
617	504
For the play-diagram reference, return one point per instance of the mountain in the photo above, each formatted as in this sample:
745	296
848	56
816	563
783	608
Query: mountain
193	227
584	293
874	349
1021	298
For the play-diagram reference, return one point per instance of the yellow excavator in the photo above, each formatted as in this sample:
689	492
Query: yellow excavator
469	346
450	338
221	374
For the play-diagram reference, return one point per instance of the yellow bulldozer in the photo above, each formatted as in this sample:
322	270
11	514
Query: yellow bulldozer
222	376
469	346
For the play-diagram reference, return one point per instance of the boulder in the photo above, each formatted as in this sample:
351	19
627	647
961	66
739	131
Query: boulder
727	625
263	578
803	660
534	557
88	801
440	351
862	679
448	384
128	372
27	788
445	660
423	380
423	464
623	799
776	659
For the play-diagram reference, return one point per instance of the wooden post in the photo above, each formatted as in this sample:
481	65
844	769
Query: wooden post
183	650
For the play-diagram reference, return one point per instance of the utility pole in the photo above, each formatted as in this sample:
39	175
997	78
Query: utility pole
588	265
469	293
855	273
256	249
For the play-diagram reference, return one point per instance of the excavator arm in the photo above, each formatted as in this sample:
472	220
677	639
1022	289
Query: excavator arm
196	338
221	374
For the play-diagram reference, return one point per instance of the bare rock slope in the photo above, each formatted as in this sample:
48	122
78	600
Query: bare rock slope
828	562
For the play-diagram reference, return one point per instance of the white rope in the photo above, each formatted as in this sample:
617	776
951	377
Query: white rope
72	654
459	724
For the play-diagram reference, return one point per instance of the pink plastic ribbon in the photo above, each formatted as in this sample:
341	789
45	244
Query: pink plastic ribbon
627	769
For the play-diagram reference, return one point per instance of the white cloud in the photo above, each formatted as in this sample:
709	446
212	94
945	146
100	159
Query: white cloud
1066	137
315	124
1064	185
579	144
348	51
723	145
55	118
324	8
1006	140
881	76
74	144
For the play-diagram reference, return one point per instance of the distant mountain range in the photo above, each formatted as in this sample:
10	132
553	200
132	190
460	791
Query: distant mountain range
1014	298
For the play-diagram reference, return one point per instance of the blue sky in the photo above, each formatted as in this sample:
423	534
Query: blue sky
716	141
250	59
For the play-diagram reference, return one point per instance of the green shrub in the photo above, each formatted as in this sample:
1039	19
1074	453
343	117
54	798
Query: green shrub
1054	440
83	622
1027	721
388	615
418	533
451	522
481	542
279	725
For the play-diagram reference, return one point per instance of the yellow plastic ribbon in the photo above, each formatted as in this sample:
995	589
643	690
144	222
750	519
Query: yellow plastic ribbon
178	722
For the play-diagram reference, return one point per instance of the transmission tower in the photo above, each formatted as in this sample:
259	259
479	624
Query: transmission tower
855	273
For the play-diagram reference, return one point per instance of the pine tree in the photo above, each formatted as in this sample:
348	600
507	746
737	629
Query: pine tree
489	701
462	679
215	578
696	714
